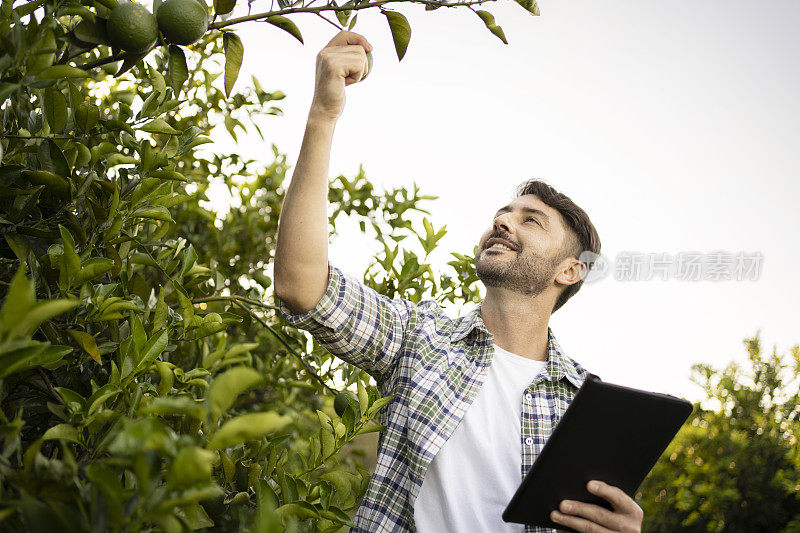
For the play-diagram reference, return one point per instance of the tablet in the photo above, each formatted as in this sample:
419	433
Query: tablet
609	432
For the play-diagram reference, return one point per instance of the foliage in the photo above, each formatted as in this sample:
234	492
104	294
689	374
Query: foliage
734	467
146	380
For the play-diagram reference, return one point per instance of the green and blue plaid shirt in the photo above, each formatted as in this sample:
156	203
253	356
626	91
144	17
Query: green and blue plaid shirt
435	365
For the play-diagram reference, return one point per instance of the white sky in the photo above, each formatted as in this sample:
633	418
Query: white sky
673	124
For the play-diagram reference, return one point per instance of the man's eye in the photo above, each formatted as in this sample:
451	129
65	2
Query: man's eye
531	218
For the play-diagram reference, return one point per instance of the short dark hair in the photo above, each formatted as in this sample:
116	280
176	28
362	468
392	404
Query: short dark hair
581	233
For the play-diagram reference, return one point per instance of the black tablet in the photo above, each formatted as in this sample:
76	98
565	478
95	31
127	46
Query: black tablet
611	433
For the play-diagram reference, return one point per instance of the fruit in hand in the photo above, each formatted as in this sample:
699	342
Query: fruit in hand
131	27
342	400
182	21
369	65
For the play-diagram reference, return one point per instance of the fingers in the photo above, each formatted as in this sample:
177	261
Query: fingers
578	524
615	496
584	517
345	37
347	61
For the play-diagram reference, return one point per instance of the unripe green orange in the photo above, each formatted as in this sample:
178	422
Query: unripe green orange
182	21
342	400
369	65
131	27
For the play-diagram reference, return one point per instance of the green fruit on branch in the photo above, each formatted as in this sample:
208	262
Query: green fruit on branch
369	66
131	27
182	21
342	400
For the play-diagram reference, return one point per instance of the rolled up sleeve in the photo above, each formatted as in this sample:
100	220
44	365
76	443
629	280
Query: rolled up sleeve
357	324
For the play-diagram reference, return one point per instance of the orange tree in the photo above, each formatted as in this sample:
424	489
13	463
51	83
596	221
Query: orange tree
735	466
146	380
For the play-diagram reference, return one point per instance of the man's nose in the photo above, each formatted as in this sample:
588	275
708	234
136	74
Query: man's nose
502	222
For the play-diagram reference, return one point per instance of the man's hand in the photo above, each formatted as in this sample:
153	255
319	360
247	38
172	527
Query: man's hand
587	518
342	62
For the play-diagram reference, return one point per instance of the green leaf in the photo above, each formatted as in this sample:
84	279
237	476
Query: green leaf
327	440
161	311
137	333
498	31
154	347
62	431
54	183
379	403
94	267
40	312
205	330
159	125
335	513
55	109
92	32
189	259
486	17
341	480
130	61
286	25
23	357
72	263
110	487
52	159
96	400
247	427
86	117
86	342
177	72
61	71
166	174
155	212
18	243
363	397
190	467
300	510
401	31
173	406
370	428
19	300
530	6
228	386
157	80
234	53
142	435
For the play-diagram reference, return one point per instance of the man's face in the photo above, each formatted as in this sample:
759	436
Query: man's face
521	249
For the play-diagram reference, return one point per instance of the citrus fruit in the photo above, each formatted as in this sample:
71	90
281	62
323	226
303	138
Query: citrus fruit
369	65
342	400
131	27
182	21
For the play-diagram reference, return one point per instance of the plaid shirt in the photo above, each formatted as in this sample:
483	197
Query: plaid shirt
435	365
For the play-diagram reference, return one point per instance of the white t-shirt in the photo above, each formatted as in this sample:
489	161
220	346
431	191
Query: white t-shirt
477	471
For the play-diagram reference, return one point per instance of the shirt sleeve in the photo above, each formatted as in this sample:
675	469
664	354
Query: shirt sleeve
357	324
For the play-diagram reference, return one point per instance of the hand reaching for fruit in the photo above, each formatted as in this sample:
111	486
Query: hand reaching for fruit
345	60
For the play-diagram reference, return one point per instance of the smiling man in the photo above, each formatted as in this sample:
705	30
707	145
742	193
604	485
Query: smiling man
475	397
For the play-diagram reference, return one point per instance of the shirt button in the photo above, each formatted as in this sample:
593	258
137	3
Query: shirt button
528	441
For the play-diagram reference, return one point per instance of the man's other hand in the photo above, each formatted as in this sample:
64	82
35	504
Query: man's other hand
588	518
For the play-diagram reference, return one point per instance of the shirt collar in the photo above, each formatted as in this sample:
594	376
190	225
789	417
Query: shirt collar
467	323
559	365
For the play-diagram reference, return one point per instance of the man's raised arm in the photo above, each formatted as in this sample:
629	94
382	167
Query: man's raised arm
301	254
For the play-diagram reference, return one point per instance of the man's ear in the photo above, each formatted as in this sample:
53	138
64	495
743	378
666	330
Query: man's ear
572	273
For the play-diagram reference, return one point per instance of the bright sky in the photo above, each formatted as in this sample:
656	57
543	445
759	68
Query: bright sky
673	124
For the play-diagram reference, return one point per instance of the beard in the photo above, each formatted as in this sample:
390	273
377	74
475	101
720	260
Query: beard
528	273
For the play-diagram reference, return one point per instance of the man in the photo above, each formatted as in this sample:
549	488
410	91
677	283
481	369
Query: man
476	397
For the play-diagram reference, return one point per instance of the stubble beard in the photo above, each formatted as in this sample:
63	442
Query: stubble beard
528	274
